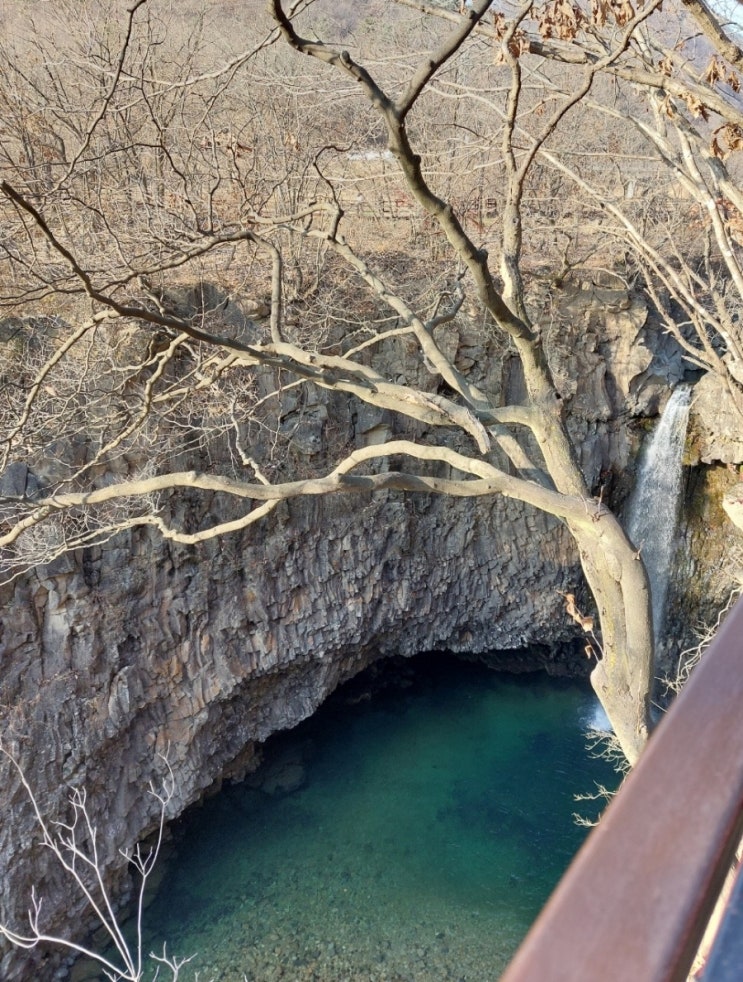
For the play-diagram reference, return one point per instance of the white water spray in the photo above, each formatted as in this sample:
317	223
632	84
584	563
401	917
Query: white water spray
652	512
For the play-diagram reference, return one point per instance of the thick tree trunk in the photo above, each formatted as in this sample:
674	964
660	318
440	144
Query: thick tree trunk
623	676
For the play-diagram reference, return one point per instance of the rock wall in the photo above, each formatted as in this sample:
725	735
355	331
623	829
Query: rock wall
140	649
717	434
116	655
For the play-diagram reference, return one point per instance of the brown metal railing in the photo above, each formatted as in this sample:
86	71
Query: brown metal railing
635	902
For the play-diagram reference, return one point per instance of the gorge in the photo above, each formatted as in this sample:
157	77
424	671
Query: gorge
331	333
138	646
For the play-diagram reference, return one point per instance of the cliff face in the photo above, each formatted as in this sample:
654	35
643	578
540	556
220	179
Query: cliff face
140	649
111	657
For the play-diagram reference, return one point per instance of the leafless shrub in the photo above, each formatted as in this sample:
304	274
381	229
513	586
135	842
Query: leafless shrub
74	843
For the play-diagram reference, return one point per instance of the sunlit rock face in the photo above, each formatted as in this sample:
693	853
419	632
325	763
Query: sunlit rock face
732	502
717	419
113	656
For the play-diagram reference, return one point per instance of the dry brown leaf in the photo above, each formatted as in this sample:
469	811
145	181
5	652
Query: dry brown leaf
696	106
519	44
666	66
572	611
726	139
715	71
599	12
623	11
560	19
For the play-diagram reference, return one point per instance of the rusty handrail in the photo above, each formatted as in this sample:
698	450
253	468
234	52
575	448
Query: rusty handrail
634	904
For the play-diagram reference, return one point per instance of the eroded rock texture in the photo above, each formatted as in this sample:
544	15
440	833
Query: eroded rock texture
113	655
718	435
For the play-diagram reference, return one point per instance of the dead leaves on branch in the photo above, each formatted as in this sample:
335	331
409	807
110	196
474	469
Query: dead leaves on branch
665	67
717	71
585	622
727	139
572	611
563	20
560	20
695	106
604	11
516	43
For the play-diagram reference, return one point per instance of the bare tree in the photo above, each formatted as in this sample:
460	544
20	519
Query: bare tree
212	236
74	844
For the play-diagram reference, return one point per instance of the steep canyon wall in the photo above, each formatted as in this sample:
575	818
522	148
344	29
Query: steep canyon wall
110	656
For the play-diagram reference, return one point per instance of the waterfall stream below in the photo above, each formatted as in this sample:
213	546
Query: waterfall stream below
408	834
652	511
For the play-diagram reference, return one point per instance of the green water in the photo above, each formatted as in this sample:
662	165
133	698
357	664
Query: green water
432	824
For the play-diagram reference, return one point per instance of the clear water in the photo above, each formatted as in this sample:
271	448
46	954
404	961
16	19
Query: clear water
431	826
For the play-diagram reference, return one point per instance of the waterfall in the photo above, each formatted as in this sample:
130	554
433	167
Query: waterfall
652	511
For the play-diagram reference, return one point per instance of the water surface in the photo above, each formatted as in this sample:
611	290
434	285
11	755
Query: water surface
429	828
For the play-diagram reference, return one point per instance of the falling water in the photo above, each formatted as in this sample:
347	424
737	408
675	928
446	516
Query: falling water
653	507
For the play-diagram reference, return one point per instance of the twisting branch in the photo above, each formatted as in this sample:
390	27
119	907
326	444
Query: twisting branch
485	478
410	163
